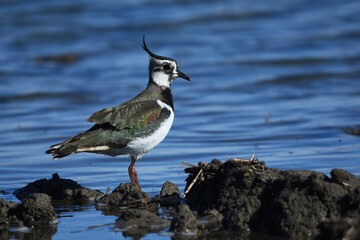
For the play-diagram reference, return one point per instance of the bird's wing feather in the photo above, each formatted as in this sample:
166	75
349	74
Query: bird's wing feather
129	115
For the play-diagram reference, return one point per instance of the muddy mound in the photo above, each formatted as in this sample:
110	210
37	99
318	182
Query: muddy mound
251	196
126	194
244	196
169	189
35	208
184	221
169	196
137	223
35	214
5	217
59	189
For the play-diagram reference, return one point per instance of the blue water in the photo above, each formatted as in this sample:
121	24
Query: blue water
279	80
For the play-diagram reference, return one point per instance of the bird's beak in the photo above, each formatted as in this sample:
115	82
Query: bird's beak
183	75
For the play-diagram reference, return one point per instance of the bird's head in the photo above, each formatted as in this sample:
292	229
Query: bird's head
163	70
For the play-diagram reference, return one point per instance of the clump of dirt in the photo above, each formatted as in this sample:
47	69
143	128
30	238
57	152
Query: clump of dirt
344	178
138	223
251	196
126	194
5	217
169	195
59	189
244	196
184	221
35	210
169	189
81	194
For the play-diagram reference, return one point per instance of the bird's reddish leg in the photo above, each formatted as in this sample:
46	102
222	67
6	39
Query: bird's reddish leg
133	174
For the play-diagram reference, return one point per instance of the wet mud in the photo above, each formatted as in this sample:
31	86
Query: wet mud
59	189
291	203
33	217
239	196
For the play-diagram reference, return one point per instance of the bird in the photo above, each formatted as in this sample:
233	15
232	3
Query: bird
134	127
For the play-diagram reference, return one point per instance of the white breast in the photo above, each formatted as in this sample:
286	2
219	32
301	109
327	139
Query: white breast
141	146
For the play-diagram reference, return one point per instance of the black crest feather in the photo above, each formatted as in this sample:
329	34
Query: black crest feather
152	54
146	48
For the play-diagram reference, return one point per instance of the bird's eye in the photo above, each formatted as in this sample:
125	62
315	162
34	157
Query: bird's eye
166	66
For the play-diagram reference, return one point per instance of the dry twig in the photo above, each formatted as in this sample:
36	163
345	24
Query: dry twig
187	164
193	182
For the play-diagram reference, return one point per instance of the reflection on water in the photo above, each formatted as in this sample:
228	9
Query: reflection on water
280	81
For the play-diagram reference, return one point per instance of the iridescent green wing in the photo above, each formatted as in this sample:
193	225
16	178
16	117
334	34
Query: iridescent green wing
129	115
115	127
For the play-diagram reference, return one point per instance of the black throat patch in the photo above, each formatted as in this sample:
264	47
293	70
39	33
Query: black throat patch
167	95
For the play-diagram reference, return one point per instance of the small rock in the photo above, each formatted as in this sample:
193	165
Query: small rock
169	189
184	221
4	210
125	194
34	209
343	177
82	194
169	195
54	187
59	189
138	223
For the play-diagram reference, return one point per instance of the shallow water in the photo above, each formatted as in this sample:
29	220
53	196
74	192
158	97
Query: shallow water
276	80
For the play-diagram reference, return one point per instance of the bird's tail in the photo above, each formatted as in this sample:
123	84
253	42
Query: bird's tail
67	147
91	140
56	151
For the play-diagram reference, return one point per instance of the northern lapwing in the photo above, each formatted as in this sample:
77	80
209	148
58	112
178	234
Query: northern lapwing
133	127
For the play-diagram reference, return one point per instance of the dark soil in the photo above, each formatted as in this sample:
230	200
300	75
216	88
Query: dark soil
36	208
59	189
125	194
169	196
34	212
184	221
138	223
243	196
251	196
169	189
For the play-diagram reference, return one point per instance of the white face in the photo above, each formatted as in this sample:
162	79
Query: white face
164	72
